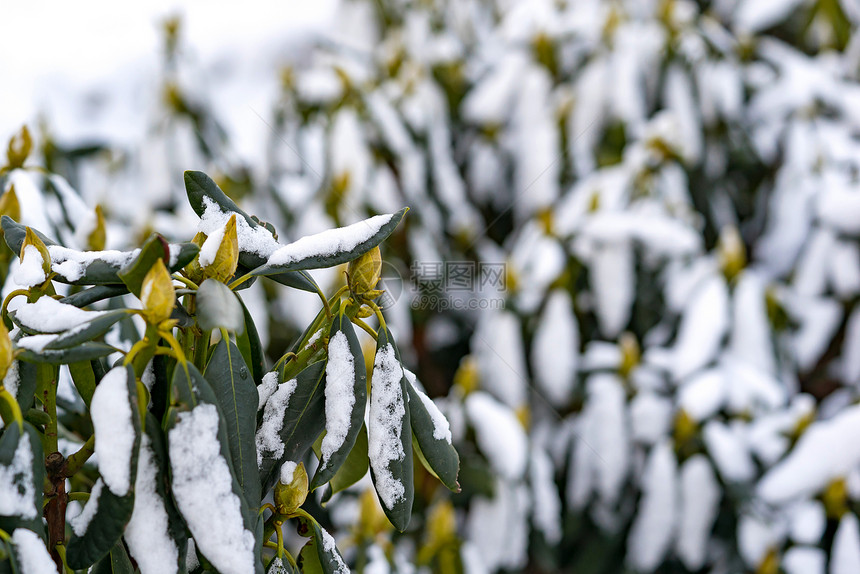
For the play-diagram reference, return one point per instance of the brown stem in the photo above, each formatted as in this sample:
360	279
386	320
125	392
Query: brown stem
55	511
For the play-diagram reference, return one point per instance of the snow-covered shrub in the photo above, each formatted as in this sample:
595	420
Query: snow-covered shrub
135	390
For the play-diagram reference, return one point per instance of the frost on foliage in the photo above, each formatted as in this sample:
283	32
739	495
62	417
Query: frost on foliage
115	434
147	535
33	557
826	451
80	522
499	434
339	395
498	347
654	525
203	490
387	409
498	527
555	351
845	555
16	482
268	437
700	499
330	241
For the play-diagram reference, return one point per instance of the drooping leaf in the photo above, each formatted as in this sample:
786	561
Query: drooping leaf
94	294
83	352
89	545
198	186
116	562
327	555
332	247
218	308
390	434
346	376
352	470
301	423
278	566
237	396
84	379
433	437
18	444
250	346
88	331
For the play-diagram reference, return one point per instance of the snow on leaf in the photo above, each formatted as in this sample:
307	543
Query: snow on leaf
700	499
555	350
845	555
385	423
339	395
499	434
655	523
33	557
115	434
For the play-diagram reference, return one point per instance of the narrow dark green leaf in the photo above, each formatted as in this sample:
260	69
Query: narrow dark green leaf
218	308
352	470
237	396
116	562
249	344
342	335
88	331
440	455
326	259
302	423
309	559
397	505
199	185
83	352
27	373
155	248
14	233
15	437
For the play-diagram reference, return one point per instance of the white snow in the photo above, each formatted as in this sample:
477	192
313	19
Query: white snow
546	510
330	547
700	499
268	435
826	450
73	264
16	482
499	434
728	448
654	525
82	521
498	347
251	239
339	395
441	427
288	471
146	534
387	409
112	423
11	380
268	386
203	490
35	343
845	555
702	327
607	433
33	557
330	242
30	271
703	395
755	538
807	522
555	350
804	560
650	417
498	527
209	249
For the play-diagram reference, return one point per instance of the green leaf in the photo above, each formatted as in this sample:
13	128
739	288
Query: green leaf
352	470
218	308
116	562
29	515
94	294
84	379
309	559
384	399
199	185
327	555
156	247
278	566
322	257
104	530
302	422
26	384
89	330
441	456
99	268
113	512
342	333
238	398
250	346
83	352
